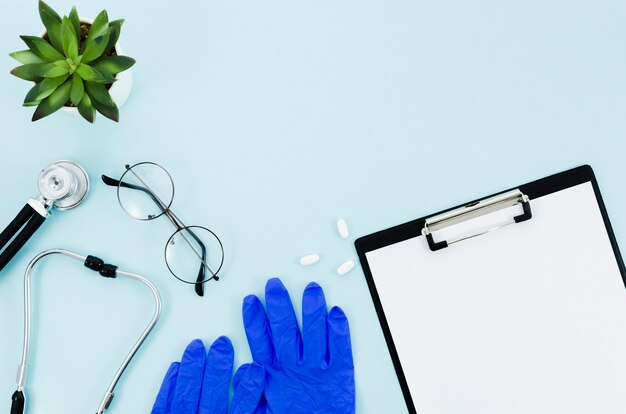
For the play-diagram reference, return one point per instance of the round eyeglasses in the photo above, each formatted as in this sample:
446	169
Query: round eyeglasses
193	254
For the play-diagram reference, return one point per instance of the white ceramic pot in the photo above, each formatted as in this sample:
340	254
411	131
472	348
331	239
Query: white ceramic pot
120	90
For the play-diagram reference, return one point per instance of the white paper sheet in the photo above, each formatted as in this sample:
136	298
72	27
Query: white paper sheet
530	318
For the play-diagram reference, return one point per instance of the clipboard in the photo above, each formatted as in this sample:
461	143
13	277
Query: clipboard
513	303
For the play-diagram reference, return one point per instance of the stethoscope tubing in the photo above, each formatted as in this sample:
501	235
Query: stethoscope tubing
28	220
140	341
22	370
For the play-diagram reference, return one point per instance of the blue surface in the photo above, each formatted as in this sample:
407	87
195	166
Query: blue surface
275	119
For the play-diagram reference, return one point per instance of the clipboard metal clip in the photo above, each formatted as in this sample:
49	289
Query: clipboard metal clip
474	210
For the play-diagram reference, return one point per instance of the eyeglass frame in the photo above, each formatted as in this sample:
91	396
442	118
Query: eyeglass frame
177	222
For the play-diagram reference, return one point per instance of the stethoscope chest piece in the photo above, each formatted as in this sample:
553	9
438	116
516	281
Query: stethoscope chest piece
65	183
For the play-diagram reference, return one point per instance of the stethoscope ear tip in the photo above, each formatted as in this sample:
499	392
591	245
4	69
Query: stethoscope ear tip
17	402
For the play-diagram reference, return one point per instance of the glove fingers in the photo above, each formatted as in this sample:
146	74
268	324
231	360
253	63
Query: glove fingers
249	390
189	382
219	368
339	346
240	374
283	323
164	398
314	328
257	330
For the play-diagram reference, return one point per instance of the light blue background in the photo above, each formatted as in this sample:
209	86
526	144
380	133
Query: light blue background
276	118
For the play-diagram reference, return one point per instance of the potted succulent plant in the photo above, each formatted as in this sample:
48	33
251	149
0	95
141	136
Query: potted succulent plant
76	65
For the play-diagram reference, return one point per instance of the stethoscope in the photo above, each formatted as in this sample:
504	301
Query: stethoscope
106	270
63	185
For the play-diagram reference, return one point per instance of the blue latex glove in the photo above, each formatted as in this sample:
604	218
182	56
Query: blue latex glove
312	373
199	384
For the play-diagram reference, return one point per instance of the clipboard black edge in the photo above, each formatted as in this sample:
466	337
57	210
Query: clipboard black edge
411	229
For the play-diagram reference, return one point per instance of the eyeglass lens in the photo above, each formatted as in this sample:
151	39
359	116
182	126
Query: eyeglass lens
194	254
145	191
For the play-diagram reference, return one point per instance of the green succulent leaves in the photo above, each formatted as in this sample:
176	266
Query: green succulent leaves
52	21
26	56
54	102
70	41
42	48
68	68
113	64
78	89
43	89
75	20
86	109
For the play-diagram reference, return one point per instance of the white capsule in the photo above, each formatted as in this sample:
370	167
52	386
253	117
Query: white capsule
342	226
345	268
310	259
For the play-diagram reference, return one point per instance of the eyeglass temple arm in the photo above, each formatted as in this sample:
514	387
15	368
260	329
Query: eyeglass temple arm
199	286
117	183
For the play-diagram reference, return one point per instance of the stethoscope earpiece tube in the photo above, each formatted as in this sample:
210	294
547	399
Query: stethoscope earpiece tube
17	406
106	270
28	220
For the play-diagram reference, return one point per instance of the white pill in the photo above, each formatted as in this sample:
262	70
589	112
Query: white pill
343	229
310	259
345	268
